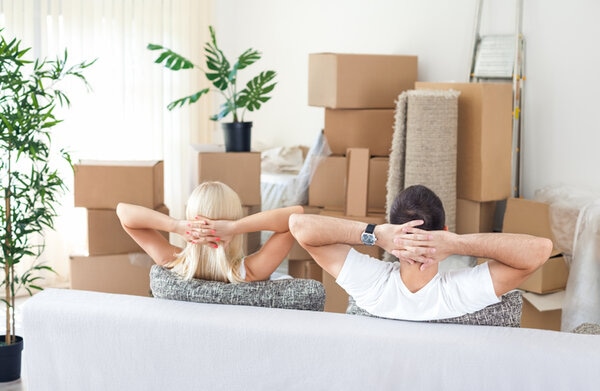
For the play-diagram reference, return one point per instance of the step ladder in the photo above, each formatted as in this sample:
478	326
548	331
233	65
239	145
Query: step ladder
500	57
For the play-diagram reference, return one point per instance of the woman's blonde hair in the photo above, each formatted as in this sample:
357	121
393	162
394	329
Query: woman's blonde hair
213	200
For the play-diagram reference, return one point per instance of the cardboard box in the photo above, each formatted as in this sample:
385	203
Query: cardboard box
371	218
377	193
123	273
239	170
524	216
327	187
551	277
336	298
106	235
359	128
474	216
103	184
533	218
359	81
357	181
484	139
252	240
305	268
542	311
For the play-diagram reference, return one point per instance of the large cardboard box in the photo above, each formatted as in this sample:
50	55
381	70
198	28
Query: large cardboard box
239	170
359	81
359	128
103	184
305	268
474	216
533	218
327	187
336	298
551	277
484	139
122	273
542	311
106	235
252	240
371	218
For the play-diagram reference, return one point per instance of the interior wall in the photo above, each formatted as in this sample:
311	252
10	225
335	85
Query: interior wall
560	133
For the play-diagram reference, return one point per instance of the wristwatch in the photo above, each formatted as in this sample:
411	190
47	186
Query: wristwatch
368	237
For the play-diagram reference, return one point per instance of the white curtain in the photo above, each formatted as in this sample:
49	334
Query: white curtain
124	117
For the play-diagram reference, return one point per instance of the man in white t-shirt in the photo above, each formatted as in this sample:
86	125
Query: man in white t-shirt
412	288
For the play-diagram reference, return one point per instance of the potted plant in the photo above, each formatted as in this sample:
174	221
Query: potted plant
223	76
29	181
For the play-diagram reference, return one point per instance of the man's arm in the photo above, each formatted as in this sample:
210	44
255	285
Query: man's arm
514	256
329	239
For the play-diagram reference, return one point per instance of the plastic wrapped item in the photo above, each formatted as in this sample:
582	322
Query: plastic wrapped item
582	296
282	186
318	151
565	204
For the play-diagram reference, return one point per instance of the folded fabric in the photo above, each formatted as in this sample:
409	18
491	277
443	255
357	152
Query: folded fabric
290	293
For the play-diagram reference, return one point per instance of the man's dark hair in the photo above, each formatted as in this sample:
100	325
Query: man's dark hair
418	202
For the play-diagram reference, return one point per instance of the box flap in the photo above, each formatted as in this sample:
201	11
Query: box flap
118	163
546	302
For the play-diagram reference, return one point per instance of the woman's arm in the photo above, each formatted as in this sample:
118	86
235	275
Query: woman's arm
143	225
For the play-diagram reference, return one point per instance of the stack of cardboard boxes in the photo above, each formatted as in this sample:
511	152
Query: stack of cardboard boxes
484	151
240	171
358	93
545	289
113	262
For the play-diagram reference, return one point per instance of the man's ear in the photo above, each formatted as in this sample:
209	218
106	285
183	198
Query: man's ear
445	228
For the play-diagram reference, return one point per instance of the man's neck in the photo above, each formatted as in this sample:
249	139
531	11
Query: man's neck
414	278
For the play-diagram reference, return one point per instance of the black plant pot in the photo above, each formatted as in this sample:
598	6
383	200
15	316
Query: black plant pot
10	359
237	136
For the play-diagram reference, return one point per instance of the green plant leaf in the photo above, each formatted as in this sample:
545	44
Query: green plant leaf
188	99
255	93
170	59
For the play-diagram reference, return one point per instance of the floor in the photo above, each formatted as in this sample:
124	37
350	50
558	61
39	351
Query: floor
17	385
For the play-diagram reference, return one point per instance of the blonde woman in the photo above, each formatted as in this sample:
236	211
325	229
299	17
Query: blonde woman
212	206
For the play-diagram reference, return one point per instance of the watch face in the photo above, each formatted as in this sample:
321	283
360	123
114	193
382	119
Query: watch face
368	238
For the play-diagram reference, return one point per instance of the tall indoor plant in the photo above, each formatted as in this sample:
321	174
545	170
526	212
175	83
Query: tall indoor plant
224	76
30	182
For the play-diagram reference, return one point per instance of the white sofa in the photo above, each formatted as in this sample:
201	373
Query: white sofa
82	340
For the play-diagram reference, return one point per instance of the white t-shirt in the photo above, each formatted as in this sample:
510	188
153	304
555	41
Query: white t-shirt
377	287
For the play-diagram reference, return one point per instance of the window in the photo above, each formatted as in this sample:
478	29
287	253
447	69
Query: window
124	117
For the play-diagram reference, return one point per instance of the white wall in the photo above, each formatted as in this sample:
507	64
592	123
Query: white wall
560	136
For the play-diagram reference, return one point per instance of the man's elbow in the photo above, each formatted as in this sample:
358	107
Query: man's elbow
294	223
543	251
297	227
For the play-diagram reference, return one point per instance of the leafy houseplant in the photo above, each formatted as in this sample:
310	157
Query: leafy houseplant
224	76
29	180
